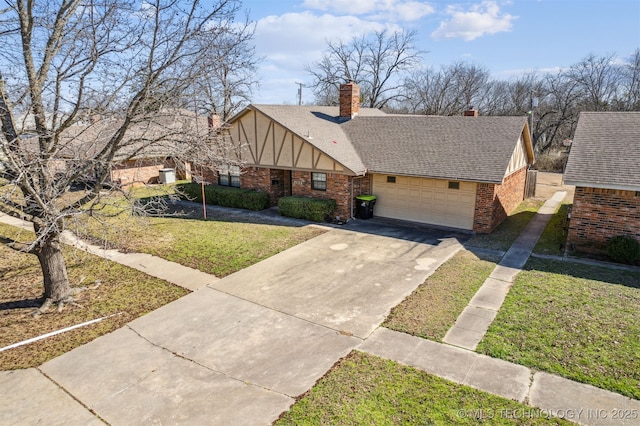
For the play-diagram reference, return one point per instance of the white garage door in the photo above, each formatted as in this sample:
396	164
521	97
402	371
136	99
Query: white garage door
432	201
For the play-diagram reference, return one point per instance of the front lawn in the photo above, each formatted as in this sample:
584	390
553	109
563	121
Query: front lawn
124	293
432	309
219	245
363	389
214	246
507	232
554	237
581	322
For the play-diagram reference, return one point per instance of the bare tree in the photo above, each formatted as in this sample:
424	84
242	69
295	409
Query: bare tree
228	82
83	84
448	91
629	98
598	79
375	62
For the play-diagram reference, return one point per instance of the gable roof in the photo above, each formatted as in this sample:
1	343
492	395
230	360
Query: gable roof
605	153
160	134
320	126
460	148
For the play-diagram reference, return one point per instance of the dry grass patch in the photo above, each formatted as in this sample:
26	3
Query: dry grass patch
435	305
124	291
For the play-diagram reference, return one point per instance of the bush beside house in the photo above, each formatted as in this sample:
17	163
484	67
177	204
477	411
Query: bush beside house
312	209
226	196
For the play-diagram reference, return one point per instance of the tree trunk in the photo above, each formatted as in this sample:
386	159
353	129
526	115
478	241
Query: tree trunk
54	270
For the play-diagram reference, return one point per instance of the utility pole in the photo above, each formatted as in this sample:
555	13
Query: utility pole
534	104
299	93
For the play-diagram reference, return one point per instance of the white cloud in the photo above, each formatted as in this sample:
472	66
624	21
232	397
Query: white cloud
291	41
390	10
478	21
304	35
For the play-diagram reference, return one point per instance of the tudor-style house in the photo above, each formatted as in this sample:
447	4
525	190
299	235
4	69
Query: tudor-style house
465	172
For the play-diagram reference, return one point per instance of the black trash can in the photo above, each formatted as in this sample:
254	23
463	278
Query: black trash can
364	206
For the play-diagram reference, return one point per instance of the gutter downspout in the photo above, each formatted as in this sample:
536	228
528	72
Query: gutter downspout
352	197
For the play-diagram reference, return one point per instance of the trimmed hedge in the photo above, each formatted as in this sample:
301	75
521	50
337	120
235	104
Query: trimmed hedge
225	196
624	249
313	209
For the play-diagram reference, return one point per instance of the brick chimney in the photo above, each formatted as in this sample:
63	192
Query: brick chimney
471	112
349	100
214	122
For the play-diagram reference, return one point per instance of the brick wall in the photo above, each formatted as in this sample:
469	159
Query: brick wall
495	202
599	214
208	175
136	172
338	188
256	178
361	185
267	180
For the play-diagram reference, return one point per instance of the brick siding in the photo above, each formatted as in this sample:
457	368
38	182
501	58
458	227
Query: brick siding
338	188
495	202
136	172
599	214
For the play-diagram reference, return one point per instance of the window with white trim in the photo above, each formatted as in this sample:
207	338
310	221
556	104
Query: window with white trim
319	181
229	176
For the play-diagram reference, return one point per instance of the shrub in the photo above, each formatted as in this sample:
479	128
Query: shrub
225	196
623	249
313	209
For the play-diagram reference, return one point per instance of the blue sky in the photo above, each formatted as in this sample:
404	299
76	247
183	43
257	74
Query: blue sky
508	37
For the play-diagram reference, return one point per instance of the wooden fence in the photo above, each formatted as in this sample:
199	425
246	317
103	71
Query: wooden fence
530	184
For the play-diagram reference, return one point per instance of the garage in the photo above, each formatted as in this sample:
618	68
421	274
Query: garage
433	201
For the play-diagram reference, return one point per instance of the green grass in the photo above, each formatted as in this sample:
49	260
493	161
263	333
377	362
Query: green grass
366	390
507	232
580	322
554	237
218	246
215	246
123	291
435	305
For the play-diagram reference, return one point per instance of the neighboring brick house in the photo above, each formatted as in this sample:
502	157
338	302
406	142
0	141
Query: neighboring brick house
462	172
604	166
148	146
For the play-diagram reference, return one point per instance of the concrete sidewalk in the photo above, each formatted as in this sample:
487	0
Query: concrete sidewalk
240	349
183	276
175	273
552	394
475	319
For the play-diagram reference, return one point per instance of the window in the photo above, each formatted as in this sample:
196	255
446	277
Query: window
454	185
391	179
229	176
319	181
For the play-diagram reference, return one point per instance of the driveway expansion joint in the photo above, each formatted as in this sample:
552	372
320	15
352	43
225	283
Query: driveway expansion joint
72	396
185	358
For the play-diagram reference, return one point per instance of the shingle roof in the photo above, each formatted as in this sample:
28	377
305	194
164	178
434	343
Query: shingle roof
605	153
320	126
461	148
160	135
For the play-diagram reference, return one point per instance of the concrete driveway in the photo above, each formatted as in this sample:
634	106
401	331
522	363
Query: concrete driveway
241	349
